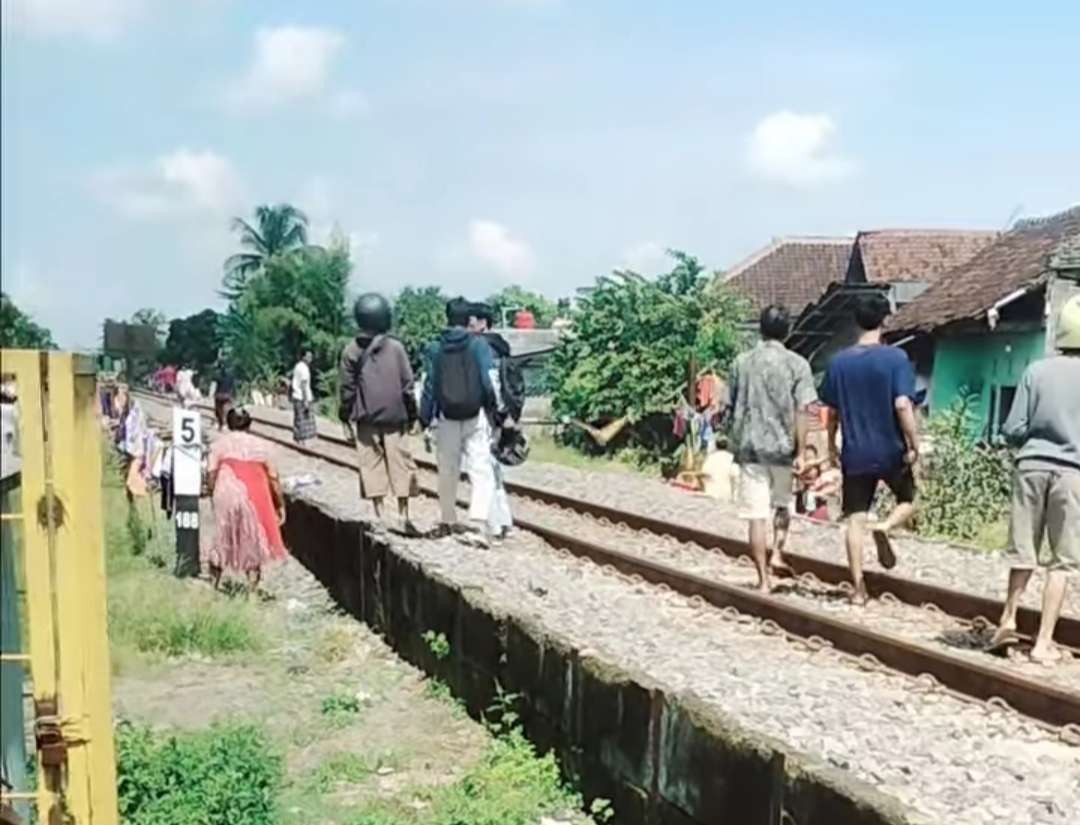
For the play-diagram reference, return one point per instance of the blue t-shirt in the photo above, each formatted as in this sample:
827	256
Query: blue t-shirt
862	384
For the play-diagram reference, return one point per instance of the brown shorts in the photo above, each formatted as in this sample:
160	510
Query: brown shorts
1046	501
386	465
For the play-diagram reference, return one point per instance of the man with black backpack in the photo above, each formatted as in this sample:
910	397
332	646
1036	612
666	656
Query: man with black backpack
509	388
377	401
458	394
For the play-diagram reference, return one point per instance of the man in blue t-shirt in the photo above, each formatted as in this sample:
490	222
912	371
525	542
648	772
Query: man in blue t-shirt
869	389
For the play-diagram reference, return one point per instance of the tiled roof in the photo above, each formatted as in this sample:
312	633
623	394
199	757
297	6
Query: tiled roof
1017	259
792	272
1067	253
889	256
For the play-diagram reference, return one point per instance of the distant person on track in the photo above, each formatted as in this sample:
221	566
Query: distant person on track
378	402
1044	423
303	399
224	392
248	504
771	387
185	387
870	389
457	394
509	386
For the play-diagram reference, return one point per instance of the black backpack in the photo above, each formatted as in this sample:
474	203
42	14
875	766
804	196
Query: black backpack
460	390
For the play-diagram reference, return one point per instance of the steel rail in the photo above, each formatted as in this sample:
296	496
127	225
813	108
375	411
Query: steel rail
1039	700
961	605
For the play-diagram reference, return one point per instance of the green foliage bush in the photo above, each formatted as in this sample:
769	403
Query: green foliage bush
224	775
631	345
966	483
419	317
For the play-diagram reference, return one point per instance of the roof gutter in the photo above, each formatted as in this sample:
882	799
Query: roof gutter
994	313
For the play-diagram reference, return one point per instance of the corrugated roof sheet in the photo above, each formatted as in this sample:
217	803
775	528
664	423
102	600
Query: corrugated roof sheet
792	272
1019	258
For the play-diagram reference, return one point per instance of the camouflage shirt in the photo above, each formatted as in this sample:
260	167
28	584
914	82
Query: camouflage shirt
769	384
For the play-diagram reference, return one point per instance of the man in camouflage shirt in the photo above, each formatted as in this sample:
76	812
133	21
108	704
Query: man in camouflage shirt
770	387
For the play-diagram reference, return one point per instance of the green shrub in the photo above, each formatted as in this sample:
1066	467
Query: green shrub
225	775
966	483
630	349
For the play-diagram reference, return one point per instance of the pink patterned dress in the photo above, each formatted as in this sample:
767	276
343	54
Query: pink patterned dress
247	534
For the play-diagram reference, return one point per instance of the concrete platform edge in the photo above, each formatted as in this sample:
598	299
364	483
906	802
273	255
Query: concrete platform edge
661	758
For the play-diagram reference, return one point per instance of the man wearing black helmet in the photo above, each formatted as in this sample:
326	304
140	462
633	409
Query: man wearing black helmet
376	399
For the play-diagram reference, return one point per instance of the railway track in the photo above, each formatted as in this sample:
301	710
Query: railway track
1037	698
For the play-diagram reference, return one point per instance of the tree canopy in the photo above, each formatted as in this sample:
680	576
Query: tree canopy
419	317
194	341
277	230
632	341
18	330
295	302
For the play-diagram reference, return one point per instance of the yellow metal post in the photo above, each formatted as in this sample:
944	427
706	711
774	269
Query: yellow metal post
64	560
81	609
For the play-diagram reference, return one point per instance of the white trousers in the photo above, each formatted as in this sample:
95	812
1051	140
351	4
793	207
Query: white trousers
464	445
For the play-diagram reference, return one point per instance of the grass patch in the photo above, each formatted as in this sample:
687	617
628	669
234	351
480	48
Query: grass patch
226	773
511	785
342	769
544	448
155	615
341	709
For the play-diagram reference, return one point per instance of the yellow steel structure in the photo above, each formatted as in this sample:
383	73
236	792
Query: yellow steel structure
64	564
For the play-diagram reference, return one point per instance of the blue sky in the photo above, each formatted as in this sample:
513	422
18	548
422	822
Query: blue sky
474	143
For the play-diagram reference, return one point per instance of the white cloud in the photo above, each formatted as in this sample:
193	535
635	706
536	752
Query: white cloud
182	182
797	150
95	19
649	258
291	64
492	242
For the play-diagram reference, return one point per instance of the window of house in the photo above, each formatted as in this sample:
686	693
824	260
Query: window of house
1001	402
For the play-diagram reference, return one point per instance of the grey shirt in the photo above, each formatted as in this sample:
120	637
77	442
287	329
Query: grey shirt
769	385
1045	415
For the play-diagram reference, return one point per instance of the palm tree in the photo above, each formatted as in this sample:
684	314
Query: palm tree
281	228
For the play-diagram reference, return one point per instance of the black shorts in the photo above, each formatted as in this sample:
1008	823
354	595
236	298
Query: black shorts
859	490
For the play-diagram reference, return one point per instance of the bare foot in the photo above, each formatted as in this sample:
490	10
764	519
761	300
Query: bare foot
885	553
779	566
1048	655
859	596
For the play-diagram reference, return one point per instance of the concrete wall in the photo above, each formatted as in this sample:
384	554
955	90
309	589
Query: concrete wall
662	759
981	362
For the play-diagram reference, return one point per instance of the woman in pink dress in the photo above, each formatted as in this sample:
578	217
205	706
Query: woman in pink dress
248	505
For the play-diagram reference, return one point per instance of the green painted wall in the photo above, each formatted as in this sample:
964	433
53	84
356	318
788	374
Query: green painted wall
981	363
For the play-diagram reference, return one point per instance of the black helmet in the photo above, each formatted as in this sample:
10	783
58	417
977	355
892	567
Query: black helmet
512	449
372	313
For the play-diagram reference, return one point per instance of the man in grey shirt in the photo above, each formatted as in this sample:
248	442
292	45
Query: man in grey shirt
1045	423
770	387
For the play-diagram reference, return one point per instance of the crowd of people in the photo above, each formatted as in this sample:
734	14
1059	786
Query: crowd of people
869	395
471	396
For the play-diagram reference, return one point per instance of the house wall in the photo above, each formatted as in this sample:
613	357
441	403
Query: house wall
982	363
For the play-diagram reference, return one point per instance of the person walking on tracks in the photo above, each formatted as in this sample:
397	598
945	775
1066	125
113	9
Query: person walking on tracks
377	401
304	425
248	503
771	387
509	386
870	389
458	393
1044	422
224	390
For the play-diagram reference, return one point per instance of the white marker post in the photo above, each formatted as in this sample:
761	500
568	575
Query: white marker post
187	486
